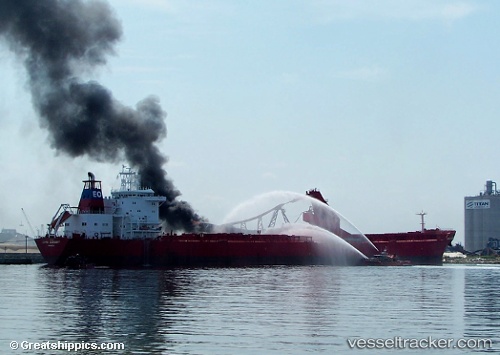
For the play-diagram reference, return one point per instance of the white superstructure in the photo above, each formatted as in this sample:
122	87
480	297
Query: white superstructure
130	212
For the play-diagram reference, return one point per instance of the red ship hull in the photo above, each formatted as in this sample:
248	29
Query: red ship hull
421	247
424	248
126	232
194	250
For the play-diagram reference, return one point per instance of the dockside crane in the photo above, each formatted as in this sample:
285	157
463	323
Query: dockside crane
29	224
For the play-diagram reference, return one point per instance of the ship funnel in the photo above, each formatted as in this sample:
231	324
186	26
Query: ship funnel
91	200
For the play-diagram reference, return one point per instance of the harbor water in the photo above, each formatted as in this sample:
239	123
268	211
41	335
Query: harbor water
261	310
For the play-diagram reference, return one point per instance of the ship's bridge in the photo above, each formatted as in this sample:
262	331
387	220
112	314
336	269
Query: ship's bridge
136	209
143	193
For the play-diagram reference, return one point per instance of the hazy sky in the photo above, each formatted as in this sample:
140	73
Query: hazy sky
388	107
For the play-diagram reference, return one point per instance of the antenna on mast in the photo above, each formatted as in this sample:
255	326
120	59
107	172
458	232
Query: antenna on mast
422	214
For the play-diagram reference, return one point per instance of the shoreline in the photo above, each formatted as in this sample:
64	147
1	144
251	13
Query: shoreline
17	258
493	260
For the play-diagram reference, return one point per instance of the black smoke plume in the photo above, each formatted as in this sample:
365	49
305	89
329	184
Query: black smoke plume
59	42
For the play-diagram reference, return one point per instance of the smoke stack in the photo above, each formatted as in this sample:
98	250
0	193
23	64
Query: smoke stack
58	40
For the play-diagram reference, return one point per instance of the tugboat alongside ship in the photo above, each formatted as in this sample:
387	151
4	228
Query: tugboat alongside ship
124	230
424	247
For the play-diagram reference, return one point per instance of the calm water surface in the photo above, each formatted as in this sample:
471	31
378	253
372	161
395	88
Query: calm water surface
267	310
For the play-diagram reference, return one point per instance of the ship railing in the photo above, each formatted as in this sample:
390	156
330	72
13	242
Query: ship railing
144	232
91	212
144	226
85	235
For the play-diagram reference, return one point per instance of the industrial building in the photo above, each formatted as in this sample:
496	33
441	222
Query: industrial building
482	219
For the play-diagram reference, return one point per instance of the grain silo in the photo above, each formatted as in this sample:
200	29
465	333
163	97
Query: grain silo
482	219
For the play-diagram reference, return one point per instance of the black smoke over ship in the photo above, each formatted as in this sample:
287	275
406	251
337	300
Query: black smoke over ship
59	42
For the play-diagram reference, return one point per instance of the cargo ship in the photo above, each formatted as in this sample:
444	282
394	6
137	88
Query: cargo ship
424	247
124	230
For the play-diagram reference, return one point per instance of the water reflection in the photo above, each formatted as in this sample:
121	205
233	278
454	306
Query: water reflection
482	304
104	305
243	310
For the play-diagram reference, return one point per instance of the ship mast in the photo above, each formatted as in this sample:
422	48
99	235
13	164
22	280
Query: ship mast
422	222
128	179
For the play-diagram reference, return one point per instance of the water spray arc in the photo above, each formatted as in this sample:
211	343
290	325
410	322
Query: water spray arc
313	218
